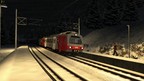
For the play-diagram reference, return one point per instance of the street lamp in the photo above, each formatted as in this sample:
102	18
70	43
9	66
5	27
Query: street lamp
1	6
16	29
128	40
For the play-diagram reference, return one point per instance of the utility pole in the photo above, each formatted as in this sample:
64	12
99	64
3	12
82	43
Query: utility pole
128	40
0	24
23	21
0	19
16	29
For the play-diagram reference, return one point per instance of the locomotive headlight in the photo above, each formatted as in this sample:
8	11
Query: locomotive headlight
69	46
82	48
76	34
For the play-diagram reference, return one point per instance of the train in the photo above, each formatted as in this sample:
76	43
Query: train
69	41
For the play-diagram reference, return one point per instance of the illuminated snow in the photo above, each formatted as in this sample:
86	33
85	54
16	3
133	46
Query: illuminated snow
21	66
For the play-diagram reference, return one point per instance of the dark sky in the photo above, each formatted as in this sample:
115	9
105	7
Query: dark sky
48	9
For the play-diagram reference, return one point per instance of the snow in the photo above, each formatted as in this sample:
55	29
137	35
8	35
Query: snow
21	66
5	52
102	40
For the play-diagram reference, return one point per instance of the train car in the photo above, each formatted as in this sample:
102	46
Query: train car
64	42
43	42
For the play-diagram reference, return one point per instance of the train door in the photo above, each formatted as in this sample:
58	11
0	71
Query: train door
54	45
45	42
62	43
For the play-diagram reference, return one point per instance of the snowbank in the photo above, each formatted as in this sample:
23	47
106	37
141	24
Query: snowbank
102	40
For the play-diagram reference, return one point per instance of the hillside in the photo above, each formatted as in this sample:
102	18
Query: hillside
102	41
115	34
118	33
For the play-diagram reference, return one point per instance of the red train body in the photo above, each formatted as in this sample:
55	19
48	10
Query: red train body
63	42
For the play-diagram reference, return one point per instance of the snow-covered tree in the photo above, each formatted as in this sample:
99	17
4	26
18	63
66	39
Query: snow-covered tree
93	19
130	11
113	12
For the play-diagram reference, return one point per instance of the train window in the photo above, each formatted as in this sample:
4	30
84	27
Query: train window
49	40
75	40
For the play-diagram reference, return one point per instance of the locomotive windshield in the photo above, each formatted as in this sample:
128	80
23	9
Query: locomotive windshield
75	40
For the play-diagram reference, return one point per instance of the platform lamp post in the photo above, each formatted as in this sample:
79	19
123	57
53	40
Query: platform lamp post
16	29
1	6
128	40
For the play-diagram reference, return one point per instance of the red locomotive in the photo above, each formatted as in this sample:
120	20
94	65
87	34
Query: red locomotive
64	42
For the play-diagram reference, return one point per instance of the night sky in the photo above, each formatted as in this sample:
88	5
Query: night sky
47	9
50	11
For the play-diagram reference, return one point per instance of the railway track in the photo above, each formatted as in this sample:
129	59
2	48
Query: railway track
55	71
76	68
134	76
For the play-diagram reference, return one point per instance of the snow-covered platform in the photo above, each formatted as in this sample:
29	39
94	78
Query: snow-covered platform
4	52
21	66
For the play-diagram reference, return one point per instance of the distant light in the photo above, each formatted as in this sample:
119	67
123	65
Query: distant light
76	34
